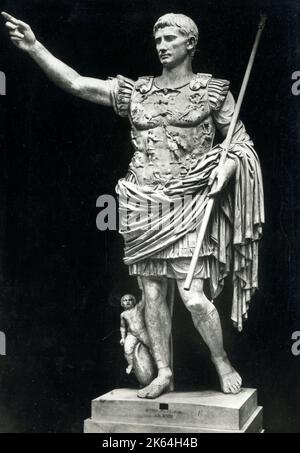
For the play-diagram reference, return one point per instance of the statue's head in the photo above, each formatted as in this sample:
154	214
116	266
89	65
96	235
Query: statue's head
128	301
176	37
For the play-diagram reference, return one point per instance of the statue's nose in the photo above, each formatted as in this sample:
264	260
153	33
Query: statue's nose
162	45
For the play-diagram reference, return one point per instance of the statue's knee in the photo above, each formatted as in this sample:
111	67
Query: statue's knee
197	305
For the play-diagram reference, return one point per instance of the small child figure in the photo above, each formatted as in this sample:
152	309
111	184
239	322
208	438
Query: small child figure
133	329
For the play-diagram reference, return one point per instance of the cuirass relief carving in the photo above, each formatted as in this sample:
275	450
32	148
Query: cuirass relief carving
171	129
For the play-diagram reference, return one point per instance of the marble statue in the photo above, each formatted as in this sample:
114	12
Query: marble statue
133	329
135	339
174	118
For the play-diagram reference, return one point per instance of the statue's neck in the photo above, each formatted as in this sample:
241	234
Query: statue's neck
172	77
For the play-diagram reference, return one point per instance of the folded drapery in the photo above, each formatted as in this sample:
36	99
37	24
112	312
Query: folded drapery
151	220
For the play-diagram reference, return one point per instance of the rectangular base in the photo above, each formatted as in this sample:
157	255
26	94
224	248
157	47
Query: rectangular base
121	411
254	425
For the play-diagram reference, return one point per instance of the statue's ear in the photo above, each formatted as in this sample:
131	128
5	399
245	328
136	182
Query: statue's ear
191	43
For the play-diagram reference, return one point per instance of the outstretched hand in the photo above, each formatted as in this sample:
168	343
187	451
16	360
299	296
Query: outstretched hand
20	33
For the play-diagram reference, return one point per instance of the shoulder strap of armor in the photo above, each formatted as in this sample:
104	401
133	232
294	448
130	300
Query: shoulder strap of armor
144	84
217	92
199	81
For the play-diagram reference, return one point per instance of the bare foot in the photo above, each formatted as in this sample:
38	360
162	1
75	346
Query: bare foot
129	369
158	386
230	380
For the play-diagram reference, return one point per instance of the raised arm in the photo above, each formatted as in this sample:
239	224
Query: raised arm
94	90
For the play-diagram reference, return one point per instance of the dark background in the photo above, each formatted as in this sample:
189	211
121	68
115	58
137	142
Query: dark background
61	279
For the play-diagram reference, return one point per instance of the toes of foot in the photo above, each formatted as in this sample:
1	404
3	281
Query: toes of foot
141	393
231	387
226	389
238	379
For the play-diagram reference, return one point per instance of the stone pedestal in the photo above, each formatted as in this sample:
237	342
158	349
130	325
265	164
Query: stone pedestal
121	411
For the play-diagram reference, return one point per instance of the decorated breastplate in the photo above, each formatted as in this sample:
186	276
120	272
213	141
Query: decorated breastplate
171	129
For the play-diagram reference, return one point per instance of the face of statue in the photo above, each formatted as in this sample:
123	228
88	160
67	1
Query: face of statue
128	301
172	46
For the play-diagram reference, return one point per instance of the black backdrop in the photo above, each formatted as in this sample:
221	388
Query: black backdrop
61	279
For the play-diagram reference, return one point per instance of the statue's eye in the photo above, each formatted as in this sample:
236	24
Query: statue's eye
170	38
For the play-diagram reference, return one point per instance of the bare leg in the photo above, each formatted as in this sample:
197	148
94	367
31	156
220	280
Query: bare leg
129	345
207	321
158	323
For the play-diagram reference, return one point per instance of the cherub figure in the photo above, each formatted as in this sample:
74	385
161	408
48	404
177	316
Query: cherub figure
133	329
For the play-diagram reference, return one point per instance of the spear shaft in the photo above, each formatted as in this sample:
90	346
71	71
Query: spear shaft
226	145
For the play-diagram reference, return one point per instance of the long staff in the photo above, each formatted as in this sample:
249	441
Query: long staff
226	145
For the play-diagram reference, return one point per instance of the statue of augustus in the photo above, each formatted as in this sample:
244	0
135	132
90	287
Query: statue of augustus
174	117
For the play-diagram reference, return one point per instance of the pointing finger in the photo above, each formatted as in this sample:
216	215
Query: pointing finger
14	21
9	17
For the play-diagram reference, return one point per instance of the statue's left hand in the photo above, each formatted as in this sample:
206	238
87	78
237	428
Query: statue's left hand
219	178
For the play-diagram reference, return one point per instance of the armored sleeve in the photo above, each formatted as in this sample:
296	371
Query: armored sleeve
217	92
222	106
121	90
